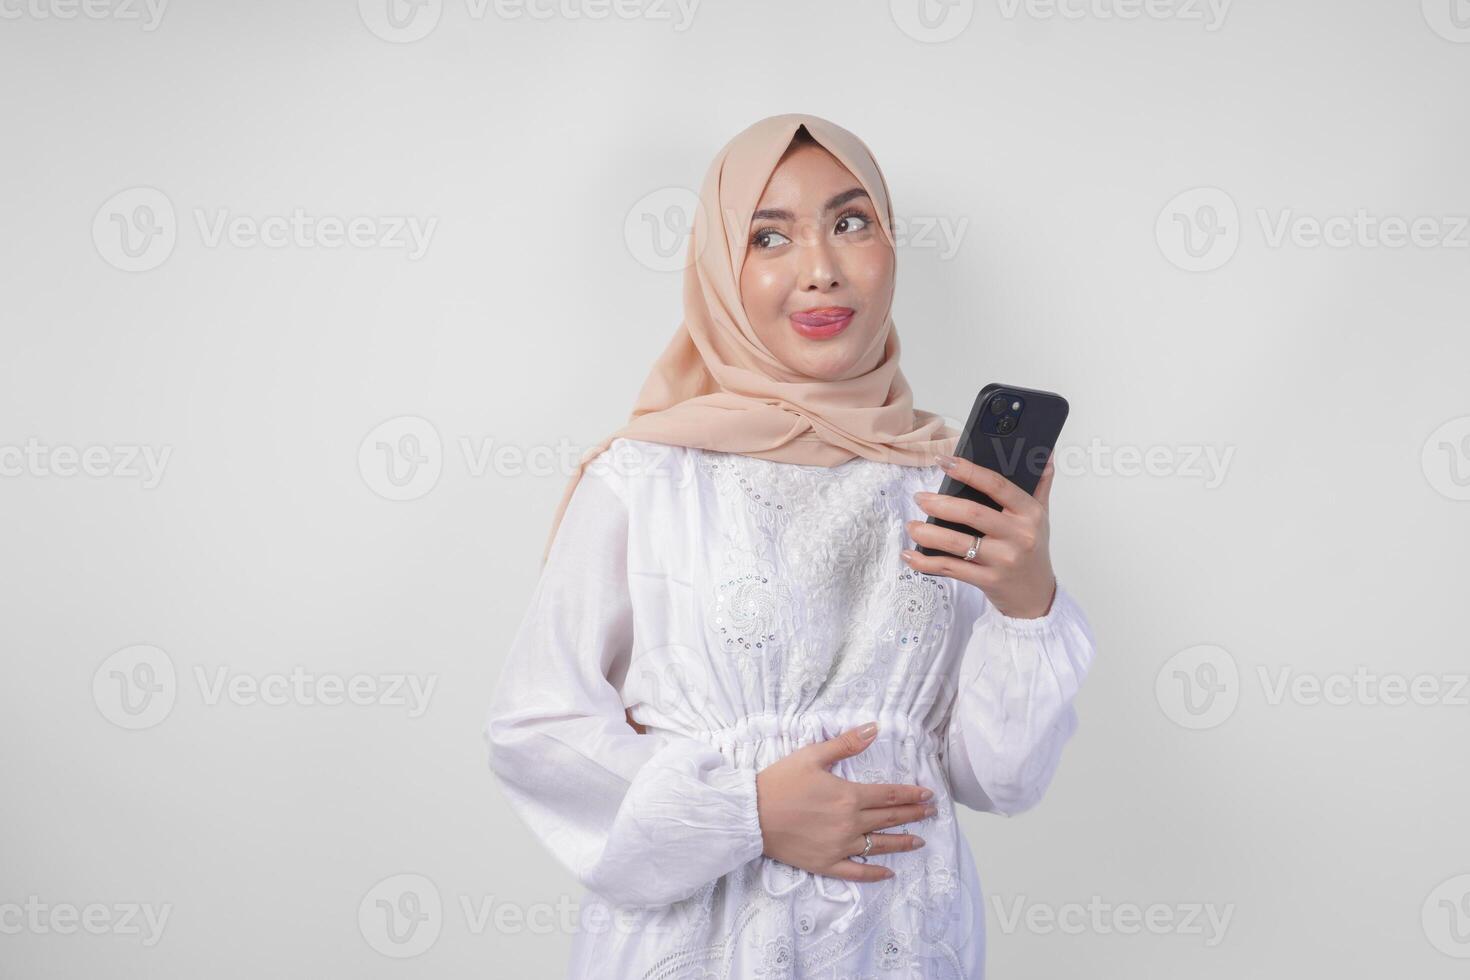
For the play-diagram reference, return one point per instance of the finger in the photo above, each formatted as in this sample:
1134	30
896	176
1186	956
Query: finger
888	844
997	487
980	576
857	871
954	542
874	795
839	747
1043	486
986	520
893	816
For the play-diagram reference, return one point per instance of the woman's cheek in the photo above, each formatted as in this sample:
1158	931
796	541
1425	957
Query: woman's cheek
766	294
873	276
876	270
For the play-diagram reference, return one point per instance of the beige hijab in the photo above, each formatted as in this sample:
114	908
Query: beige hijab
716	386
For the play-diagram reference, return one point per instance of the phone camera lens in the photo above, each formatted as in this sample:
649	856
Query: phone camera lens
1006	425
998	405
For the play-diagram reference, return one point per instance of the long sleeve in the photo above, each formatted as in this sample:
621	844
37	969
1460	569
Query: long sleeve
640	819
1013	709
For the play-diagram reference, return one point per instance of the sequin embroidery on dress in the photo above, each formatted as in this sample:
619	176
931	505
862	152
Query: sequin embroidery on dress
809	600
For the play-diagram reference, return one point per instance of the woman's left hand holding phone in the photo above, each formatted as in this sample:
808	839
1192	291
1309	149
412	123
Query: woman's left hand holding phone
1013	563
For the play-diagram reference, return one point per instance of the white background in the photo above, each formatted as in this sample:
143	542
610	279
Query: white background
1070	148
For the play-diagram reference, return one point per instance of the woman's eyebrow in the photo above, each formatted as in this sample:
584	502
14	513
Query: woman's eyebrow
781	214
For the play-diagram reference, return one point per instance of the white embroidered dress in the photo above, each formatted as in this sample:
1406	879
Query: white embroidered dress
743	608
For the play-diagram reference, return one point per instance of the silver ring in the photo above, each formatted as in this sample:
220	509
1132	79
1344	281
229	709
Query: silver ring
974	549
867	846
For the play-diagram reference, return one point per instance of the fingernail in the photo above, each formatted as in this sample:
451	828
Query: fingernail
910	554
927	794
930	811
918	842
868	730
922	495
945	462
888	872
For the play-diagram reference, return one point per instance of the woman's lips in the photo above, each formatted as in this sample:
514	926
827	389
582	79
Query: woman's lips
823	322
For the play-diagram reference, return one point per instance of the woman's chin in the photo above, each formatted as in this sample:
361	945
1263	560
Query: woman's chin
829	359
828	366
835	359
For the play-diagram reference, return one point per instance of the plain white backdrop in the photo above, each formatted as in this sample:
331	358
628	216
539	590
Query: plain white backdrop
289	292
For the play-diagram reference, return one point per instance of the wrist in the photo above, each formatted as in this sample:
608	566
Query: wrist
1034	610
760	823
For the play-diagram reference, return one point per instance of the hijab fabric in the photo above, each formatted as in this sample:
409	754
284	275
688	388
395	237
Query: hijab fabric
717	386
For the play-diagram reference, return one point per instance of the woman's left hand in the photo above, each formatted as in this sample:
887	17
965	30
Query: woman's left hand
1013	564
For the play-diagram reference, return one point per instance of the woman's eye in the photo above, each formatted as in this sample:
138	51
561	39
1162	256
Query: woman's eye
855	221
762	239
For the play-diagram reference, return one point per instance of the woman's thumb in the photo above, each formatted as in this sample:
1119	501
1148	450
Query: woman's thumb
849	743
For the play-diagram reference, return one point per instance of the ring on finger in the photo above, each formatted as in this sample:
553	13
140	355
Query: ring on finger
867	847
974	549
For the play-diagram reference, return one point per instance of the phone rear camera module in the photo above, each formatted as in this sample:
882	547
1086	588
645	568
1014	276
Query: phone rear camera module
1002	414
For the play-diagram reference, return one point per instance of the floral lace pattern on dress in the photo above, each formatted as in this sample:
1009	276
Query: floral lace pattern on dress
831	535
810	600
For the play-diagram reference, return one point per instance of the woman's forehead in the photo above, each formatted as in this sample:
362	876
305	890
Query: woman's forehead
808	179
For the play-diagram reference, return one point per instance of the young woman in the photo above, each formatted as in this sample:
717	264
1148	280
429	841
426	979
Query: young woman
741	709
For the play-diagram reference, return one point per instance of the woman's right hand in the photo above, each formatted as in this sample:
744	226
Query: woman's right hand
813	820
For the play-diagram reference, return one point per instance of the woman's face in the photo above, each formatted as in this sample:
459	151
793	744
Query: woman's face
818	274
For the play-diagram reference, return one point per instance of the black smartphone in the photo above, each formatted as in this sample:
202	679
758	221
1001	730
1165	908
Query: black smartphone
1010	430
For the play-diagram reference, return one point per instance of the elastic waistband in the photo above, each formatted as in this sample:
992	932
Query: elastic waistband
804	729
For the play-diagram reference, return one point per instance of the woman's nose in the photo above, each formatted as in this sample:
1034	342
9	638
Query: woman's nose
819	269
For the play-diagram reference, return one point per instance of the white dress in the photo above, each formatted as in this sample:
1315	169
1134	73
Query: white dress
743	608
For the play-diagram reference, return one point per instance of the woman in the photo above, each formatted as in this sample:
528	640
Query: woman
728	608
